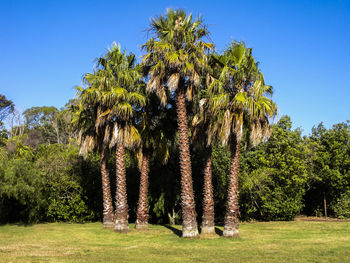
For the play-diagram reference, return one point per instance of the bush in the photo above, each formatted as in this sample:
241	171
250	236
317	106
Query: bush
273	176
43	186
341	207
66	199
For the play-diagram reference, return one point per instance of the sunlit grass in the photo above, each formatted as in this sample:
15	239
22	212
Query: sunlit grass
258	242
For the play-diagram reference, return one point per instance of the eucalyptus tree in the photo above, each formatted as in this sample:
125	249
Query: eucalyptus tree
45	121
176	56
239	94
6	107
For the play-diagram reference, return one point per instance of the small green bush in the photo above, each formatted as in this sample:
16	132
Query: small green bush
342	206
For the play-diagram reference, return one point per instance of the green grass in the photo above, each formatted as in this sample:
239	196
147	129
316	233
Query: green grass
258	242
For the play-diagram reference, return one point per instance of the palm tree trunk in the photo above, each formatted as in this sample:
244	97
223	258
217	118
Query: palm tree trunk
142	215
232	208
106	191
121	204
208	226
189	222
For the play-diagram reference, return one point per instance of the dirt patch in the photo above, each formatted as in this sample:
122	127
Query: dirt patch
320	219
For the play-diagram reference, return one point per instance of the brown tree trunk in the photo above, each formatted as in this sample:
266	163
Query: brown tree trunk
208	226
106	191
232	208
142	215
189	222
121	203
325	204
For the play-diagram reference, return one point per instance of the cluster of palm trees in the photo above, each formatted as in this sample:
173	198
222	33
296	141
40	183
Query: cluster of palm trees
118	109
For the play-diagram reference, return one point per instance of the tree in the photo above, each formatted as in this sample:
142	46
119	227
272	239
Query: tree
122	99
94	134
154	145
44	123
176	56
41	185
238	95
204	131
274	175
113	93
329	167
6	107
208	224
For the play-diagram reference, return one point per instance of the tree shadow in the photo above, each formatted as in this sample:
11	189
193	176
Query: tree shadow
218	231
25	224
174	230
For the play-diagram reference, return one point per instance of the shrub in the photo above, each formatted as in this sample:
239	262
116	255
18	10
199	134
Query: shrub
341	207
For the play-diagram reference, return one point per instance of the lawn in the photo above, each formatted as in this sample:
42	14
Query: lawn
259	242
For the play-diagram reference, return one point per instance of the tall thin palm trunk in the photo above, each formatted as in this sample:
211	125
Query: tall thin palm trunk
121	204
232	208
142	215
106	191
208	226
189	222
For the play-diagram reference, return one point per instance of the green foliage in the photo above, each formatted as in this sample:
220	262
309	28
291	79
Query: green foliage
3	133
68	208
6	107
52	183
282	177
341	207
158	208
273	176
329	163
176	53
39	116
66	201
20	185
47	125
221	158
43	187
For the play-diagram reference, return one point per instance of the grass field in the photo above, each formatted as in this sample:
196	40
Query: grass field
258	242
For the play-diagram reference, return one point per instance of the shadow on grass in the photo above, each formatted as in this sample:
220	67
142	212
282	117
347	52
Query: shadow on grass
175	230
218	231
25	224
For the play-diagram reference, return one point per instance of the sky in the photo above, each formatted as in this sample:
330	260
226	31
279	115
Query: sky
303	47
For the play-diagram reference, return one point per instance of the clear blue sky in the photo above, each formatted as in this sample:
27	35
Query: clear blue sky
303	47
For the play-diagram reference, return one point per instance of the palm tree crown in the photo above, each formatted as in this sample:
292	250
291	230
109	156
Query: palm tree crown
176	53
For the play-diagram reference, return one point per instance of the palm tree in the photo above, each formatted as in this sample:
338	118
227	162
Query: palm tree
108	106
142	214
86	119
239	94
204	131
154	145
124	100
200	135
176	56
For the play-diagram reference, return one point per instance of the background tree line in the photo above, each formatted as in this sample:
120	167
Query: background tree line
43	177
